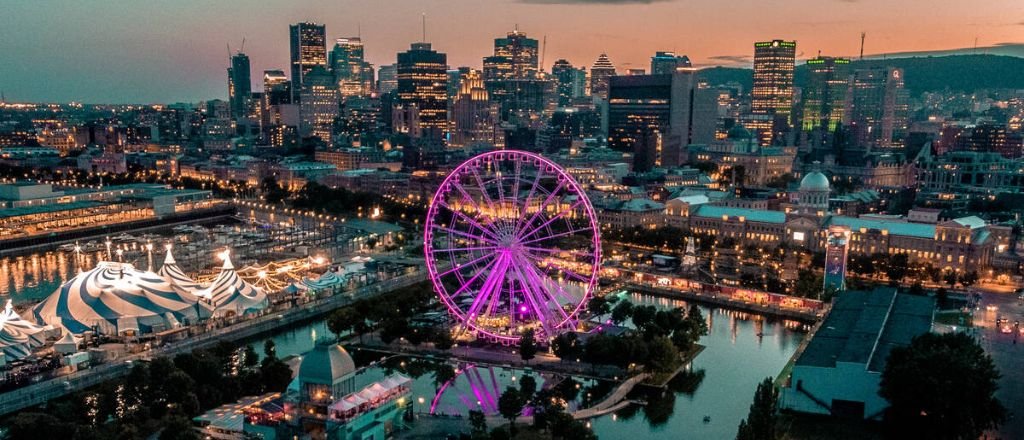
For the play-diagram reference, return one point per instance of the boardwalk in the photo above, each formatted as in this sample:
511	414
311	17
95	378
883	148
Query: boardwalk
806	315
44	391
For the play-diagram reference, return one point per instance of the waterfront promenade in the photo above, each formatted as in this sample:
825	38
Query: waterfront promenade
800	314
43	391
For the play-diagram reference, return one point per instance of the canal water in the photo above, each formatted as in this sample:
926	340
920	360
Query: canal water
707	402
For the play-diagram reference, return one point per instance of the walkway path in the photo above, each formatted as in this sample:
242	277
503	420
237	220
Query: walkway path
614	400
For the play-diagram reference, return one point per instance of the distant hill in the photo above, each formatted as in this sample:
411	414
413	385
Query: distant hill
922	74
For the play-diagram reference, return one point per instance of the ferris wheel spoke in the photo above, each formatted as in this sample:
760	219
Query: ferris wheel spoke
464	249
465	234
466	284
483	190
560	234
552	219
535	302
540	209
469	220
491	284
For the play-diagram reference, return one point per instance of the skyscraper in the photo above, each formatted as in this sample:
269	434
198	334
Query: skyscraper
876	112
277	112
666	62
349	67
308	49
319	104
824	97
602	70
239	85
475	119
772	96
571	82
515	56
676	106
422	87
387	78
512	78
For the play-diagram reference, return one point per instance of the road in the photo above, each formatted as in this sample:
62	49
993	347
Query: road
1007	351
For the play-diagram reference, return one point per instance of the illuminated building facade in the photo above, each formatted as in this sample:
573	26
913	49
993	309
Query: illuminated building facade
239	85
512	79
675	105
667	62
837	243
600	76
877	108
515	57
422	83
475	119
570	82
353	73
308	49
319	105
824	97
772	95
387	78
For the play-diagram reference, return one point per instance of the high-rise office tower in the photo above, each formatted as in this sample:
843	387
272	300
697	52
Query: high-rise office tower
824	97
571	82
276	109
239	85
676	106
876	112
350	68
512	78
308	49
387	78
422	75
319	104
600	72
475	118
771	103
515	56
667	62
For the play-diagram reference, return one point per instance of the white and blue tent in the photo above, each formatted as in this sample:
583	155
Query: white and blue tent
174	275
18	337
116	298
230	295
329	280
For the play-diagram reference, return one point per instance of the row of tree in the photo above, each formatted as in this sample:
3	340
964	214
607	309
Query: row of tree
157	396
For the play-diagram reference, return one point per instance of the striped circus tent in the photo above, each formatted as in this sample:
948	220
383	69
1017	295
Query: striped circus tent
230	295
18	337
115	298
329	280
174	275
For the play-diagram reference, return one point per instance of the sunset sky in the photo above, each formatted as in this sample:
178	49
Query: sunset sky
147	52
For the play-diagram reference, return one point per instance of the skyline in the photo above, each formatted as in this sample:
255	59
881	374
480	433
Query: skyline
154	53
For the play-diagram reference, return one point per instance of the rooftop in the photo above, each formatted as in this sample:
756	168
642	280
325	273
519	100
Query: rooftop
921	230
863	327
48	208
752	215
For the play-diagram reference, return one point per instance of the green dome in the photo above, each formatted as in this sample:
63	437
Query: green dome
326	364
739	132
814	181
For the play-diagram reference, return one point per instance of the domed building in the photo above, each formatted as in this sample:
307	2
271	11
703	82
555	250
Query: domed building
814	193
326	372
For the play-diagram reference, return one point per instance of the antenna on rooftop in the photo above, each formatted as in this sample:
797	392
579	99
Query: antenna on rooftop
424	27
543	51
242	49
862	35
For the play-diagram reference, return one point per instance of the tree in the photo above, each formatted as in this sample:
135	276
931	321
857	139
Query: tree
969	278
622	311
510	405
643	316
916	289
598	305
941	386
442	339
566	345
898	266
808	284
527	345
477	424
343	320
527	387
269	349
662	355
178	428
950	277
695	322
442	374
762	420
251	357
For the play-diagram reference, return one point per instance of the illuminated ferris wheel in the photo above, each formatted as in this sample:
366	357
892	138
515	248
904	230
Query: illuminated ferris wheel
512	243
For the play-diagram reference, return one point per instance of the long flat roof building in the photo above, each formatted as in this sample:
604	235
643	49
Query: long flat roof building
839	371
